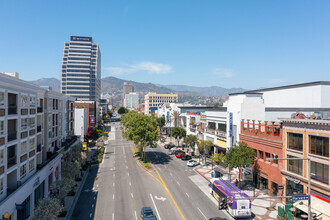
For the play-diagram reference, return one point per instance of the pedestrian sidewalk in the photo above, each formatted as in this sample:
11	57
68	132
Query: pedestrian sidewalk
261	208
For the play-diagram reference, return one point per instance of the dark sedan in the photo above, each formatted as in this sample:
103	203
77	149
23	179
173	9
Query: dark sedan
147	214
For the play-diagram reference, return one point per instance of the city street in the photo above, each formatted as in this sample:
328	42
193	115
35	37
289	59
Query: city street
120	187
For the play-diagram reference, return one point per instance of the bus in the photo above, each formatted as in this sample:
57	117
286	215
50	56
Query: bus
238	204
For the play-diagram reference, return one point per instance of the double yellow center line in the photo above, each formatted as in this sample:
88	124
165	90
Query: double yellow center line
160	180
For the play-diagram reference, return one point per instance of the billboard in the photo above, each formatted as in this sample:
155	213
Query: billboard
77	38
91	119
230	124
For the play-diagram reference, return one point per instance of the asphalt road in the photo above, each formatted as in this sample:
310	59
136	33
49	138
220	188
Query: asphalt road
119	187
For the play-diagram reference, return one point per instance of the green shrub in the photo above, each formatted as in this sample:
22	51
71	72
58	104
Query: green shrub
72	193
62	214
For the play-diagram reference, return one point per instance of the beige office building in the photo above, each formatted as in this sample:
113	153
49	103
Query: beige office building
153	100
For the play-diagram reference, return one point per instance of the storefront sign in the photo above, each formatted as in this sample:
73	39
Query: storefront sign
296	198
6	215
230	124
193	113
296	181
280	187
75	38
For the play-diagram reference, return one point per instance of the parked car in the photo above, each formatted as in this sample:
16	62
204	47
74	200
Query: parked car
168	146
186	157
170	152
147	214
192	163
179	154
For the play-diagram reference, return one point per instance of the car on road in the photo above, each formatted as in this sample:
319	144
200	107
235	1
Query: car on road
192	163
179	154
186	157
147	214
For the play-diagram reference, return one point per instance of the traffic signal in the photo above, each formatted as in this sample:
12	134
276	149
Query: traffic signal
223	203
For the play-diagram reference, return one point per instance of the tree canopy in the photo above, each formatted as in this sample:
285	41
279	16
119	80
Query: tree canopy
141	129
47	208
240	156
161	121
122	110
179	133
191	140
204	147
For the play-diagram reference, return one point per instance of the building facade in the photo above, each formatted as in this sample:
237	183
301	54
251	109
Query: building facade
153	101
81	69
131	100
31	144
307	138
91	111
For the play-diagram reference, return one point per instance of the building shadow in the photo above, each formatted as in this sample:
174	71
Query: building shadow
157	157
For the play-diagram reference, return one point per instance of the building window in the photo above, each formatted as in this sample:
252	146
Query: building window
275	161
32	101
23	171
2	98
31	165
261	154
2	156
23	147
319	145
295	141
267	155
24	123
295	166
320	172
32	140
24	101
32	122
1	186
2	127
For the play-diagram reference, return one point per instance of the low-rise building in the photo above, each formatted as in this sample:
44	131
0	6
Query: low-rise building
307	138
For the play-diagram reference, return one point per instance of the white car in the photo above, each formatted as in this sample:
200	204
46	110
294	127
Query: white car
192	163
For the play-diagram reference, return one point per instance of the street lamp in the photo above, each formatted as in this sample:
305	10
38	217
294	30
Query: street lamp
309	180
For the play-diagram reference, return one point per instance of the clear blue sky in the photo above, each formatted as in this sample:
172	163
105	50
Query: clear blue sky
248	44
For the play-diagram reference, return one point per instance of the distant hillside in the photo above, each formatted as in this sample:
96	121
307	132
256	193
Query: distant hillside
209	91
192	94
52	82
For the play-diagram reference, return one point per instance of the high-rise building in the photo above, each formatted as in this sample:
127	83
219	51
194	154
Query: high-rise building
81	69
131	100
127	88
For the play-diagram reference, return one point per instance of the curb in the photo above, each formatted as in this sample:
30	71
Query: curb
201	174
73	205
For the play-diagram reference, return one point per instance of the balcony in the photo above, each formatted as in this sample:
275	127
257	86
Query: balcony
11	162
12	109
38	128
12	136
40	110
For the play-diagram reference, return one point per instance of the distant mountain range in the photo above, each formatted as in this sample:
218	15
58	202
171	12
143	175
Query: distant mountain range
194	94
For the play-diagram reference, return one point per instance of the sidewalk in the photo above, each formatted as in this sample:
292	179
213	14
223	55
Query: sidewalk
261	208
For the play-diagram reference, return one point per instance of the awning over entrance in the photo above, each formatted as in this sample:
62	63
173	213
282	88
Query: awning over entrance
320	207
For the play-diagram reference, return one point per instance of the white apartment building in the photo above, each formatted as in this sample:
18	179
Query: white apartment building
81	69
31	143
80	125
153	101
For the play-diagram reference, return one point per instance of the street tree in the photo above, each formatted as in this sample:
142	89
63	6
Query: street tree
161	121
191	141
175	118
63	187
122	110
204	147
179	133
70	169
240	156
141	129
47	208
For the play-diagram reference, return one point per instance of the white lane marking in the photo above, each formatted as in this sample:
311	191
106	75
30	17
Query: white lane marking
155	207
135	215
93	206
124	150
97	185
113	184
178	183
132	195
187	194
90	215
171	174
165	166
94	197
113	216
113	196
105	150
130	183
126	167
114	174
202	213
127	174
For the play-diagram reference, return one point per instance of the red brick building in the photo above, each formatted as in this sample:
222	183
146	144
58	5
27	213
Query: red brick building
266	139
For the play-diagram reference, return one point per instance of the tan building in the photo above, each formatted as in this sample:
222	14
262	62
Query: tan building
153	101
307	138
